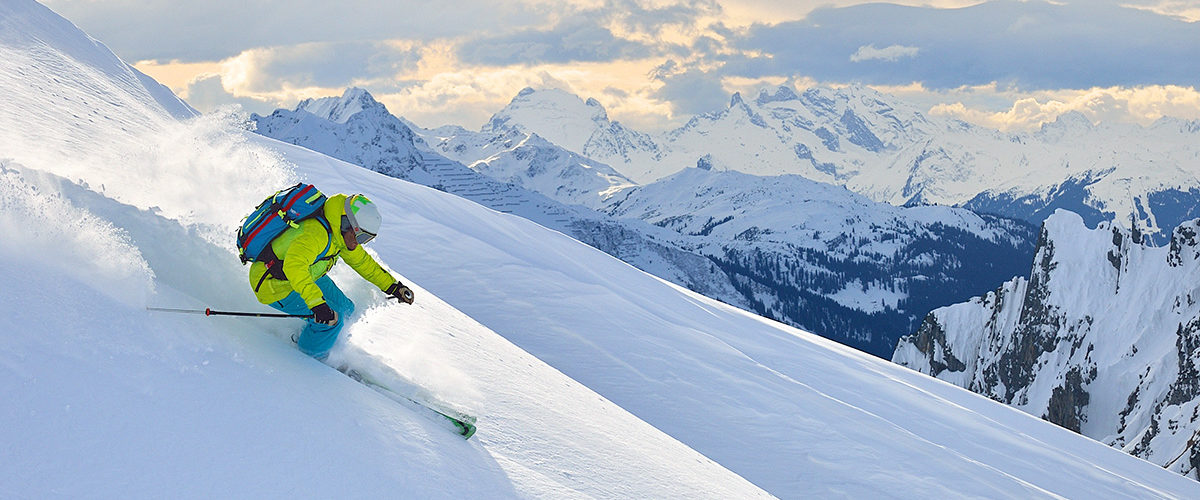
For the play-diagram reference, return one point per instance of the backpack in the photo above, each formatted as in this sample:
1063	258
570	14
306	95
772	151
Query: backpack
272	217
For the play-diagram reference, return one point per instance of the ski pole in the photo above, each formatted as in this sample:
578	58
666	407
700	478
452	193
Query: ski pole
210	312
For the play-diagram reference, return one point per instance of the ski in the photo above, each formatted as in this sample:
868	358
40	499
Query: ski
464	424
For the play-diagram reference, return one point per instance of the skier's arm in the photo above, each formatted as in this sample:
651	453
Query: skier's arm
365	266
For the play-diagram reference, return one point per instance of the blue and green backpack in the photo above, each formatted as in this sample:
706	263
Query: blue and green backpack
274	215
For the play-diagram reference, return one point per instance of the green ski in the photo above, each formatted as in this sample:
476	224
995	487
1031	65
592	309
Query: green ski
463	423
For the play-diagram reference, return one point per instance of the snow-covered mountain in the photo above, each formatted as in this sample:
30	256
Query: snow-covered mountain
833	262
881	147
1103	338
572	360
577	125
529	161
358	129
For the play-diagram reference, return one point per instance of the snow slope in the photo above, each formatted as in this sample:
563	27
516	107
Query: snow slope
106	399
97	387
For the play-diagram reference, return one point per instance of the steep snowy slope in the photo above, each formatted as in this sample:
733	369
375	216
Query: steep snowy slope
789	411
104	398
1101	338
218	407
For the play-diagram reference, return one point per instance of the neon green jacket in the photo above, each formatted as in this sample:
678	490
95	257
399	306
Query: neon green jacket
300	248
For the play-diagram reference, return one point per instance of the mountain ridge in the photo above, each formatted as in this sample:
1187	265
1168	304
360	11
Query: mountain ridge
879	146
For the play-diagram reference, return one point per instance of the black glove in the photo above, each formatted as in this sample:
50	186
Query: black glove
324	315
400	292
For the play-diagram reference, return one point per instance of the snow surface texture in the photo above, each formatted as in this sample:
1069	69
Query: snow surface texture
106	399
881	147
1064	343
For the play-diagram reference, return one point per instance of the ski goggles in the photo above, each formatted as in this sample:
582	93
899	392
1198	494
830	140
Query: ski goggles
360	235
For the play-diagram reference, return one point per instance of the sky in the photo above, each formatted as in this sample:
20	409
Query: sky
653	64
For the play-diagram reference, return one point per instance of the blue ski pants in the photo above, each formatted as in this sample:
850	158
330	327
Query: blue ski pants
317	339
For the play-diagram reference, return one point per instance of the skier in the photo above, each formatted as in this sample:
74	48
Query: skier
308	249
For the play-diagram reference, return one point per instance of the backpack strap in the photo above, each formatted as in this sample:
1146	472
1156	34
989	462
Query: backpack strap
275	264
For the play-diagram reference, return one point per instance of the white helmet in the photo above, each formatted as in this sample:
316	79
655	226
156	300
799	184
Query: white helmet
363	217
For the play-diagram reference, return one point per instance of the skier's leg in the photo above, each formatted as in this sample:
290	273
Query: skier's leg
293	304
317	339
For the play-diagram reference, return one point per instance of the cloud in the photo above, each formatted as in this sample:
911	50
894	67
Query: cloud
581	42
1033	45
889	53
336	64
207	93
690	90
213	30
614	30
1142	105
461	64
1188	10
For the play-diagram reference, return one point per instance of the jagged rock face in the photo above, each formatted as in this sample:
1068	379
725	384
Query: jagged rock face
1102	337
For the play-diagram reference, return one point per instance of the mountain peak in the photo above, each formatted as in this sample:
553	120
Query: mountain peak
557	115
782	93
340	109
1070	122
736	100
1073	119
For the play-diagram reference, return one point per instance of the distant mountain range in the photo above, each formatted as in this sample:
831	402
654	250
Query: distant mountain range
883	148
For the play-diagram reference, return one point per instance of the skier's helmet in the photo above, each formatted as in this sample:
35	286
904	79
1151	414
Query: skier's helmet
362	216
